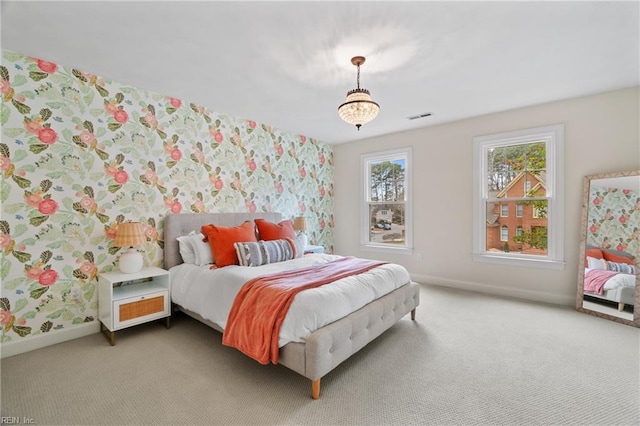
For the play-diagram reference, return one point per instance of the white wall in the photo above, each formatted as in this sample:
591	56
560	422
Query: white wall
601	135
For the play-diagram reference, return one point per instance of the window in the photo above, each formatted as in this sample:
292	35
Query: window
386	212
504	210
525	169
537	213
504	233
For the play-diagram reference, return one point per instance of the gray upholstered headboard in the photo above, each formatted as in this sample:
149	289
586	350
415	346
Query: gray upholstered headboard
176	225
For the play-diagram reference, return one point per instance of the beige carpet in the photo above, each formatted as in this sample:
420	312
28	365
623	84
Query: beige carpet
469	359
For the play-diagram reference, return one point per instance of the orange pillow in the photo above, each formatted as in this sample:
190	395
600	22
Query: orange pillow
222	240
275	231
617	258
594	252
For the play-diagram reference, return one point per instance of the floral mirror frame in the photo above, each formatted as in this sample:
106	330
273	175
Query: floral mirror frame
631	218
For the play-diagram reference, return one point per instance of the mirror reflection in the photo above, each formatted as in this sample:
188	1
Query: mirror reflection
611	244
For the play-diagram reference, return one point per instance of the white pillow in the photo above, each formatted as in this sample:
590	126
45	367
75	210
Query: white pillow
201	249
299	243
594	263
186	249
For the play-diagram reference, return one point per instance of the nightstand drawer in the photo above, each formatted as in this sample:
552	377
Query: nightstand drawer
136	310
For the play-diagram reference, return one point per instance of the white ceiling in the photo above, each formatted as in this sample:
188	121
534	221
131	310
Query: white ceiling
287	64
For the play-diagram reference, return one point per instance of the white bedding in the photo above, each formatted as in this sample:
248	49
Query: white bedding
210	292
618	280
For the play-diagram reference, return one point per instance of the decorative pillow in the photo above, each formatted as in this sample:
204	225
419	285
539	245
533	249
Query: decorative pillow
269	231
594	252
263	252
186	249
201	249
594	263
221	241
618	253
619	258
297	244
624	268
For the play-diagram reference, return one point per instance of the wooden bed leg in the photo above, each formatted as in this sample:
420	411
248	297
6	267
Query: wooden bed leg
413	314
315	389
620	307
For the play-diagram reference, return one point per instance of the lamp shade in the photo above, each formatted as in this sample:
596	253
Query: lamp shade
130	234
300	223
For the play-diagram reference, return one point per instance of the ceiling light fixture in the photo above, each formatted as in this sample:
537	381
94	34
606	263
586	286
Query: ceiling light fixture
359	109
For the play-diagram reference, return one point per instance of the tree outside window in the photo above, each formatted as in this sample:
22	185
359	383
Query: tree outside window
519	169
386	199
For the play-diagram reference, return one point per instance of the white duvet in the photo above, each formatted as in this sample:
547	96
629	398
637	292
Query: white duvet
618	280
210	292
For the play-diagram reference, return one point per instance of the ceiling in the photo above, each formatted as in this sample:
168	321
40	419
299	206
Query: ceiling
287	64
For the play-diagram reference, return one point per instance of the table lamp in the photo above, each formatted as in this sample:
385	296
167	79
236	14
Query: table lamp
300	225
130	235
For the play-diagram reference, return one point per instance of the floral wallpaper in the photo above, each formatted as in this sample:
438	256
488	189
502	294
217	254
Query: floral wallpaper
81	153
614	219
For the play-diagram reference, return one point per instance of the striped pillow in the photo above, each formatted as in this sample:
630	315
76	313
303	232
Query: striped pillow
622	267
263	252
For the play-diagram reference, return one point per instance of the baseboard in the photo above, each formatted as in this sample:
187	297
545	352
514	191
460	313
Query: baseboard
47	339
536	296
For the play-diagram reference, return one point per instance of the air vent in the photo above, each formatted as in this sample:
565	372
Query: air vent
415	117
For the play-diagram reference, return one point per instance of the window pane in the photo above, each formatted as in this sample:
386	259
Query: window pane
525	233
387	180
507	164
387	223
504	234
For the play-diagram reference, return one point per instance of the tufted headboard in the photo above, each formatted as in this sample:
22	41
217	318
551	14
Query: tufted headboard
176	225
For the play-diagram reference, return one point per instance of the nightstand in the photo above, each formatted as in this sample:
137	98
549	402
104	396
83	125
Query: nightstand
125	300
313	249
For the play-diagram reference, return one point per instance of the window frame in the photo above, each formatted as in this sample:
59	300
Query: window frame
553	136
365	160
502	210
504	229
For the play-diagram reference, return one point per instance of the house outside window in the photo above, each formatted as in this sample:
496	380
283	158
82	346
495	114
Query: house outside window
524	169
504	210
386	211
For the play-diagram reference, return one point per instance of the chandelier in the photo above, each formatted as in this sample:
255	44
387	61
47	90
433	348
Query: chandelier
358	109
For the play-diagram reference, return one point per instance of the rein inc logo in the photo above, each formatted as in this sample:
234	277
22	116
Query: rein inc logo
14	420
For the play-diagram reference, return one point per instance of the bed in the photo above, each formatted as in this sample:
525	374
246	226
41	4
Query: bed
611	286
323	349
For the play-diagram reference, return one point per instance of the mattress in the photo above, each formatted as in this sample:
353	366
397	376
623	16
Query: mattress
210	292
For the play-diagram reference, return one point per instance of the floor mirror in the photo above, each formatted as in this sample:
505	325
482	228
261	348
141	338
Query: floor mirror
609	266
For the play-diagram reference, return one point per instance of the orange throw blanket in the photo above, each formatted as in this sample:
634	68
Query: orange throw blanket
253	325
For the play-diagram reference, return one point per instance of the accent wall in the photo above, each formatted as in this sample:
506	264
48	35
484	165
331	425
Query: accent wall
81	153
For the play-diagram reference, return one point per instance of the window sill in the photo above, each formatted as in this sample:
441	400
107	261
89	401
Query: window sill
527	262
386	249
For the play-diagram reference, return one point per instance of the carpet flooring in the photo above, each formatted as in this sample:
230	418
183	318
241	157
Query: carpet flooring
468	359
